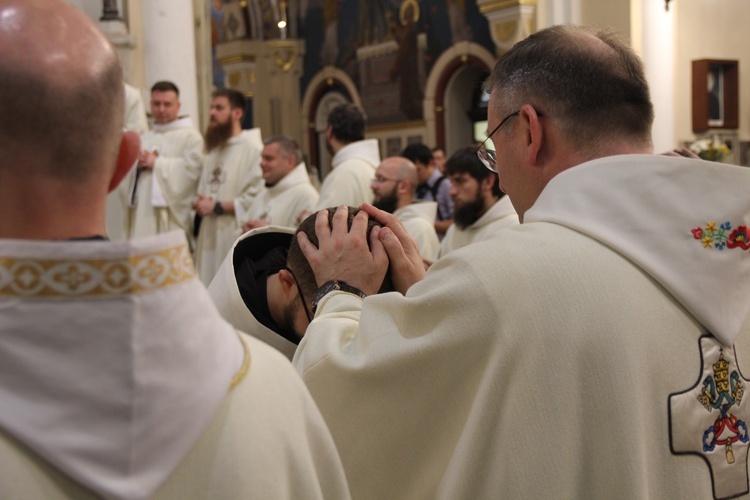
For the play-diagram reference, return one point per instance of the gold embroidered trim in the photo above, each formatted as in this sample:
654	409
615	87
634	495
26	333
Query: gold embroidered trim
64	279
245	363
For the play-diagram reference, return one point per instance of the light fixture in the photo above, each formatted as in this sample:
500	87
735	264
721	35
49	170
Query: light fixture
282	19
666	5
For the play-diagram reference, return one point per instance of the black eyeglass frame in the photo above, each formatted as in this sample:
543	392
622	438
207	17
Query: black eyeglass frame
301	296
488	157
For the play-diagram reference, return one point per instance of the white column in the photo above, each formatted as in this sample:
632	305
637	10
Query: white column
657	48
552	12
169	43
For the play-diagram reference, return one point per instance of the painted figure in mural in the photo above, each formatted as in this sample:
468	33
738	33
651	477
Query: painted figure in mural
330	50
373	21
406	63
457	15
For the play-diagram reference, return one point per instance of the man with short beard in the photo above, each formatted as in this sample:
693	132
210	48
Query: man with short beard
393	186
230	182
288	189
480	208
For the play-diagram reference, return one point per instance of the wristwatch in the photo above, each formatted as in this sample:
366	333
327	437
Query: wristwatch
218	210
331	286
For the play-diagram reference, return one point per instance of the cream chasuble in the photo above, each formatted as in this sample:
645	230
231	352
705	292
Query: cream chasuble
577	355
230	173
119	379
160	199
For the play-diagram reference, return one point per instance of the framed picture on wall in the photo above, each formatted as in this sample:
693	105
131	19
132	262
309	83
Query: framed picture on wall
715	94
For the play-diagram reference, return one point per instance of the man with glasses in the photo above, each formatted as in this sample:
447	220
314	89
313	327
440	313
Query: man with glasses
394	186
579	354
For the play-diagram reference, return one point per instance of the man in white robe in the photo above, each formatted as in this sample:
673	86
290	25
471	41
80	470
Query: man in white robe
354	160
480	207
250	279
579	354
117	201
118	378
162	187
393	188
231	180
288	190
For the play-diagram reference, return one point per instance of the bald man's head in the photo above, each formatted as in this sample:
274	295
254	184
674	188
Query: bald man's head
61	94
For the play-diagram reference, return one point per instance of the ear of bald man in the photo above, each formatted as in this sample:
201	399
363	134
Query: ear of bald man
127	156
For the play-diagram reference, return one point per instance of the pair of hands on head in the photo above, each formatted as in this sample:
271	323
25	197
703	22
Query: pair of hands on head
344	255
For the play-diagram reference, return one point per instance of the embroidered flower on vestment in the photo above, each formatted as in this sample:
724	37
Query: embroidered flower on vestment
739	238
720	237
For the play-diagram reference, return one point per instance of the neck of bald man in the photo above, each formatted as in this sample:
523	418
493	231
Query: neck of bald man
44	208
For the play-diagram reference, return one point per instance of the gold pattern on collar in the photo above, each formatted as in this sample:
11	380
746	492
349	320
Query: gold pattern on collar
245	363
95	278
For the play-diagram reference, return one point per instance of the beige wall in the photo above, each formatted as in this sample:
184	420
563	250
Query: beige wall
613	14
710	29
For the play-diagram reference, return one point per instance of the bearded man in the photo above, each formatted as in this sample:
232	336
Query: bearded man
480	207
231	181
393	187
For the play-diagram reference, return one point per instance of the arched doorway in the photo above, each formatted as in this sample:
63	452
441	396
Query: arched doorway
327	89
453	95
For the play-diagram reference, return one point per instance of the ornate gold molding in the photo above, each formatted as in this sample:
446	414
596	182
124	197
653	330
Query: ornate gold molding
284	54
484	8
242	58
506	31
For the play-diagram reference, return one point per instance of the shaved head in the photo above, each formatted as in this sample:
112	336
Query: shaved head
61	94
402	169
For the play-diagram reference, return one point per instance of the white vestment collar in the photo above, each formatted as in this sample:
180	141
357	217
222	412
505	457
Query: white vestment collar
501	208
683	221
113	359
180	123
419	209
298	175
366	150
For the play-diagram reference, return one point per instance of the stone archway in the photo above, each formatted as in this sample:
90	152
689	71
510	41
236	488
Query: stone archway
456	66
328	88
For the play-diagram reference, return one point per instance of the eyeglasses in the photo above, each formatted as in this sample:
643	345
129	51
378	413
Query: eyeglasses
301	297
379	179
487	156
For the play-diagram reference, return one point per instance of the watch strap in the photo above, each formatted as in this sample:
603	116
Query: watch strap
332	286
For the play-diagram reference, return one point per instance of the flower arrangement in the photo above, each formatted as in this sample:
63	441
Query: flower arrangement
710	149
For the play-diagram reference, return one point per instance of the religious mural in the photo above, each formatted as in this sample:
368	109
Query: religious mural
387	47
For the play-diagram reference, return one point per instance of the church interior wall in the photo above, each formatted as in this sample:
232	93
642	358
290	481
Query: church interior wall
363	40
614	14
711	29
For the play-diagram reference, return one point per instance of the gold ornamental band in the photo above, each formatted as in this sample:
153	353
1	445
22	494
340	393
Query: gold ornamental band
95	278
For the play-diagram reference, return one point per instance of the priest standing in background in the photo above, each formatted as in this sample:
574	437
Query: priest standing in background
230	183
162	187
